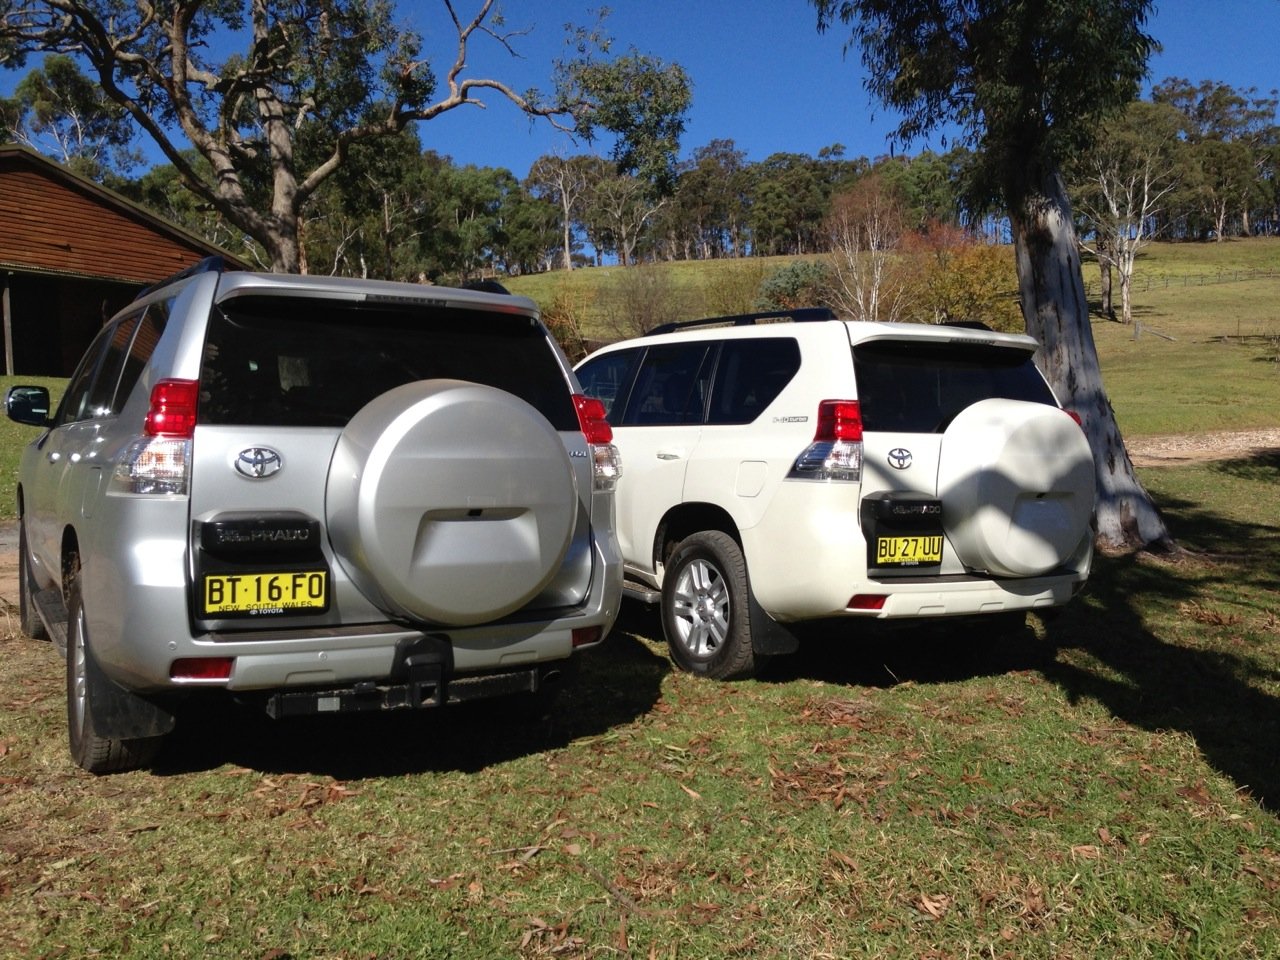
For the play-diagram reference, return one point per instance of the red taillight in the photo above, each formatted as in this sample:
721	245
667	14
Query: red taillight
201	668
838	420
867	601
591	418
1074	416
173	408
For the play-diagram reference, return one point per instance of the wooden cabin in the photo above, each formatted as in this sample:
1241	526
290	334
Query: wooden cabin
72	253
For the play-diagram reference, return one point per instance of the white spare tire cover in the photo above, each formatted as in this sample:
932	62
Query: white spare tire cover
450	502
1016	481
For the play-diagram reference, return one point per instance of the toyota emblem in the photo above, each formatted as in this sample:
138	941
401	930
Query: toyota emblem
899	458
257	463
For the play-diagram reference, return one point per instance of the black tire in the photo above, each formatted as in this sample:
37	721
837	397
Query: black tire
30	620
706	608
94	753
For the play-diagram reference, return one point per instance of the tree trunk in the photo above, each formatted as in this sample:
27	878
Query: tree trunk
1104	268
1051	288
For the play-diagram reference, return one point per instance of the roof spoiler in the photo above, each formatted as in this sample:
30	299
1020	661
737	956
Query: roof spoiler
207	265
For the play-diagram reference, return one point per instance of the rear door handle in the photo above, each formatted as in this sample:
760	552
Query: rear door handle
670	454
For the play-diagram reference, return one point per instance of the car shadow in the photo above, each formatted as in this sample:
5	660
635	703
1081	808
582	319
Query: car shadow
617	683
878	654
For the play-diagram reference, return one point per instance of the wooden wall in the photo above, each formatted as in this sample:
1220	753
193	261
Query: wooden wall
48	224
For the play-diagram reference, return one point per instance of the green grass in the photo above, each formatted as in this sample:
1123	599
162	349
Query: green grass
1093	786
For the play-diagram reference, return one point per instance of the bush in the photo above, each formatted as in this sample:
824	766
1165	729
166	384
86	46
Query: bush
804	283
638	298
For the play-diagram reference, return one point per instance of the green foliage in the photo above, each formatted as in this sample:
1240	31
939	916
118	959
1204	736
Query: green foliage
802	283
643	102
59	111
1027	82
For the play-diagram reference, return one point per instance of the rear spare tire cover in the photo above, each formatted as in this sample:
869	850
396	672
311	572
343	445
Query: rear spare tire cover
450	502
1016	481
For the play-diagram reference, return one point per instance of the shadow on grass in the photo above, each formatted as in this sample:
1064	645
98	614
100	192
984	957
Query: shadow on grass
617	683
1206	685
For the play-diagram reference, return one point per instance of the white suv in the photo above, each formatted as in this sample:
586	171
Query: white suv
778	472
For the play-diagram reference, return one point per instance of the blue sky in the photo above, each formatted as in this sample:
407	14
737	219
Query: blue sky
764	78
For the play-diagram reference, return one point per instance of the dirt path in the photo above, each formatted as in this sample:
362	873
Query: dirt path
1170	451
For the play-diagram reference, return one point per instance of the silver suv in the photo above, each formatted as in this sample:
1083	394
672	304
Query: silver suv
780	471
320	494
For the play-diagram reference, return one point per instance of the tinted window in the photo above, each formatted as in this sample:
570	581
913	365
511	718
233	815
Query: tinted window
102	394
671	386
310	362
75	402
140	349
606	378
919	387
749	377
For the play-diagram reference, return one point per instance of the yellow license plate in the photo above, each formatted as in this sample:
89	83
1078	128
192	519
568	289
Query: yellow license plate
266	593
908	551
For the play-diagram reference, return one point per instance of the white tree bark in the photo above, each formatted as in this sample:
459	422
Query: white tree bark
1051	287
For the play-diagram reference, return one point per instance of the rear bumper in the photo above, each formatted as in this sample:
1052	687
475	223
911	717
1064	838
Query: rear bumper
960	597
143	626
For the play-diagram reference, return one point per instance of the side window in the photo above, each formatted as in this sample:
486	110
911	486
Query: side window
103	392
140	350
749	377
669	388
75	402
607	378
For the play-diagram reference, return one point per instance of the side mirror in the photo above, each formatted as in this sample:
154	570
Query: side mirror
29	405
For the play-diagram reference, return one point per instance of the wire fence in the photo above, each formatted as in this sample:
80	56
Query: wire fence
1141	283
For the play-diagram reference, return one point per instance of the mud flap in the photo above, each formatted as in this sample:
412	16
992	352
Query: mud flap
119	714
768	636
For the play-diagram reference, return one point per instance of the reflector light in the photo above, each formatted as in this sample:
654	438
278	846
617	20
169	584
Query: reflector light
173	408
867	601
201	668
591	417
839	420
585	635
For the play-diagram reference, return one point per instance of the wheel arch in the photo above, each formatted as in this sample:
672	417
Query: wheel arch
685	519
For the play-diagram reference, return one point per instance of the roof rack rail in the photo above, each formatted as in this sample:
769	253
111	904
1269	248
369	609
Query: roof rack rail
207	265
798	315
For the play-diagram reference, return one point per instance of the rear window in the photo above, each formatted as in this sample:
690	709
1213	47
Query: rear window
916	387
296	361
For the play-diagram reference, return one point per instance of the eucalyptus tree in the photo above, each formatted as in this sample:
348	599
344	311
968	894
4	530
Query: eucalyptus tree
1120	187
58	111
344	71
1028	84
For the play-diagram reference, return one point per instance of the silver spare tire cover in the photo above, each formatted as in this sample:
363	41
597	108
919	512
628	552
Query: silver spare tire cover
450	502
1016	481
